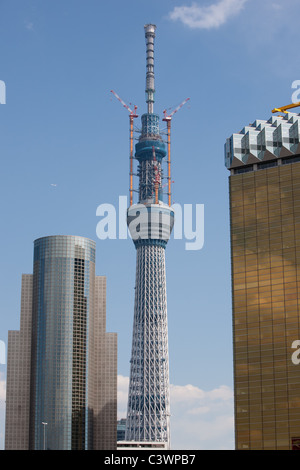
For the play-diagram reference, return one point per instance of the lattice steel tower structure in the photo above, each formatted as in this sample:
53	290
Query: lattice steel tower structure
150	223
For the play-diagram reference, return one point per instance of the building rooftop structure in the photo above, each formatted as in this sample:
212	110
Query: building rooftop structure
263	141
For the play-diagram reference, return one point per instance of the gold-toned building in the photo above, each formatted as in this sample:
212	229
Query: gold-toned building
264	185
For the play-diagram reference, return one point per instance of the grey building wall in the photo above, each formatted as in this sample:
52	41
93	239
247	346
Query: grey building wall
18	374
105	406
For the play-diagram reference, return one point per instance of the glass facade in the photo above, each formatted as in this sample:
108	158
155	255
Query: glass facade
64	269
265	254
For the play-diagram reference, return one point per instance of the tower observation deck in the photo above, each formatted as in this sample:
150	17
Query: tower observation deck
150	223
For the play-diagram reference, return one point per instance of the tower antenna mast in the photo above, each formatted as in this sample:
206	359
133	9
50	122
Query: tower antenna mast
150	223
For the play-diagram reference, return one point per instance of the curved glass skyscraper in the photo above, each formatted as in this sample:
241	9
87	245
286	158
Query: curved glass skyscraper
66	395
64	272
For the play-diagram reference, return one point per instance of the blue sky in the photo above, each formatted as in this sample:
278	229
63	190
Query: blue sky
236	60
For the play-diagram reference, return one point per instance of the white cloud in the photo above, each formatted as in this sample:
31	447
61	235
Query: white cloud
123	383
223	393
186	393
207	17
29	25
199	411
201	419
190	394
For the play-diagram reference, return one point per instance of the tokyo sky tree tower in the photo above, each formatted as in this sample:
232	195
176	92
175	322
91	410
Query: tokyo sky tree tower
150	223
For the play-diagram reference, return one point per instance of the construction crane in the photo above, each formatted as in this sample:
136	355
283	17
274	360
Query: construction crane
283	109
167	119
132	115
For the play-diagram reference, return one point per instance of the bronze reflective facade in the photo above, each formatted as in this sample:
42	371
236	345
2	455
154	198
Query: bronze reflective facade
265	254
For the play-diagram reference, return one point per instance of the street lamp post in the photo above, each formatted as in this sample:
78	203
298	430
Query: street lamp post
44	424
